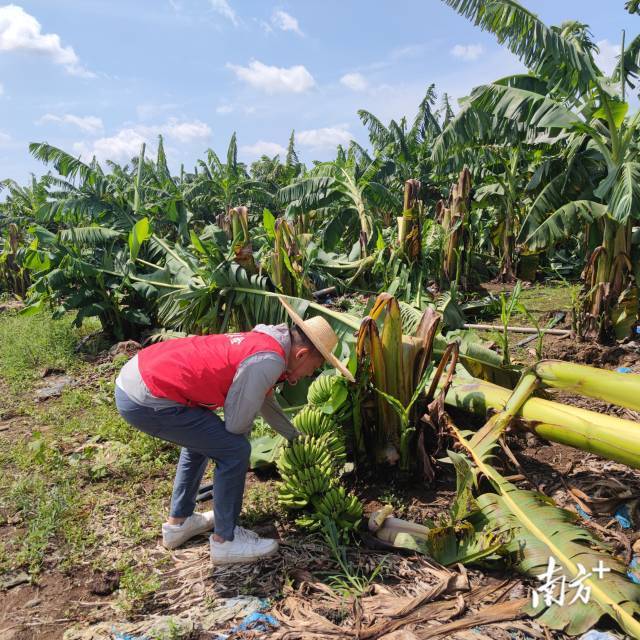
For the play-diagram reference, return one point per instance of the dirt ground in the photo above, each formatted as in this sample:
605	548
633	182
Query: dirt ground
294	582
412	597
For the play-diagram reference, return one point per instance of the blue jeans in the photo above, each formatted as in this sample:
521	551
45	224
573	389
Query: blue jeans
202	436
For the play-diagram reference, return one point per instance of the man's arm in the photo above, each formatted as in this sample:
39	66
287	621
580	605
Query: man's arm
254	378
277	419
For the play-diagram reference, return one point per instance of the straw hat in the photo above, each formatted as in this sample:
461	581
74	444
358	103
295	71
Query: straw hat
324	339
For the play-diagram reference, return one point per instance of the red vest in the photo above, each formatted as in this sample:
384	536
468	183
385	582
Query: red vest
200	369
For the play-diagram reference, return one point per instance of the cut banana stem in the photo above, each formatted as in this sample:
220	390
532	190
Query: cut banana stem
393	527
622	389
608	436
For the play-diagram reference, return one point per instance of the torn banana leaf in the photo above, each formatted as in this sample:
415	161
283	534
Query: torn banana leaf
478	360
542	531
453	544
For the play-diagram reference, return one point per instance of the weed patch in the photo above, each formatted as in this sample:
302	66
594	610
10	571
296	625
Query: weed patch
30	344
136	588
261	503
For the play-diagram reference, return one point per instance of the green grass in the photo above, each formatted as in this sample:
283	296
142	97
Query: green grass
30	344
261	504
76	467
541	301
46	513
137	585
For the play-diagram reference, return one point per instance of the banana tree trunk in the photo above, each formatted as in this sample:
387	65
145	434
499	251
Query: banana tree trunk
611	296
454	222
607	436
506	266
409	235
241	241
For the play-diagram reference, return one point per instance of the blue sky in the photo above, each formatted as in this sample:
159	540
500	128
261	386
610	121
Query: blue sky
100	76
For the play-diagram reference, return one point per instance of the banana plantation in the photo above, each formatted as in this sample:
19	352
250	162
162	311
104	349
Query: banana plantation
502	480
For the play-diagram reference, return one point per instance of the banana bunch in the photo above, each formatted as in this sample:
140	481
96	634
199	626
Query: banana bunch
311	421
344	509
336	504
329	393
307	468
310	471
320	389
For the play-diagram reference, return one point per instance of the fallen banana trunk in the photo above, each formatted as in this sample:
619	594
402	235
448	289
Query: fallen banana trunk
544	537
608	436
531	330
622	389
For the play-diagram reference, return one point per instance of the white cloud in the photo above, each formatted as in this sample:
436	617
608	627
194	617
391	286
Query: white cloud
90	124
5	138
20	31
1	89
262	148
354	81
224	9
467	51
294	79
286	22
121	147
125	144
606	59
185	131
327	137
224	109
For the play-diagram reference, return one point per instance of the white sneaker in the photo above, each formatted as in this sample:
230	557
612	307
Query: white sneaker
246	546
173	535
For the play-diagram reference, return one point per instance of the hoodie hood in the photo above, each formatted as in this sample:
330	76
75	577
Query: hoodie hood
279	332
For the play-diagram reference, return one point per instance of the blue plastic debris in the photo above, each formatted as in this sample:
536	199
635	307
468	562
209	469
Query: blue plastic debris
128	636
256	621
633	572
623	516
624	370
582	513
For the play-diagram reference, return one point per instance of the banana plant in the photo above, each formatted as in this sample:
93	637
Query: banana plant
346	192
393	366
407	145
86	269
14	278
453	216
275	174
410	222
586	109
287	259
216	187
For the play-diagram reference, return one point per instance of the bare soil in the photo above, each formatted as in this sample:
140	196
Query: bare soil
295	582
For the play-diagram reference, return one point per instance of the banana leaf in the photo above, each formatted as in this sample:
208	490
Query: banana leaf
543	533
265	451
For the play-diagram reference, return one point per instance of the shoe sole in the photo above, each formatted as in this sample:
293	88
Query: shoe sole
246	559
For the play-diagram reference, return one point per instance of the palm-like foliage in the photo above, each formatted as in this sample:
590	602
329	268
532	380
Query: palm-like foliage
585	107
217	187
349	191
